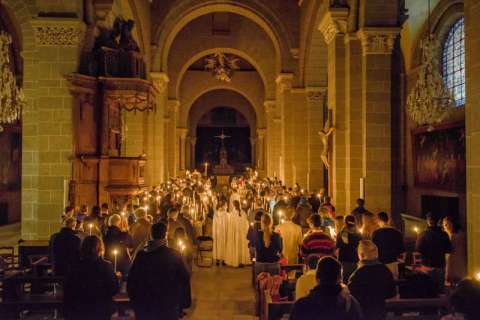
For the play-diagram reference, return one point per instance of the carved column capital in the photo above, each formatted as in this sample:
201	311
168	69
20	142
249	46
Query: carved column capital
269	106
261	133
378	40
182	133
58	32
335	21
284	81
160	81
173	105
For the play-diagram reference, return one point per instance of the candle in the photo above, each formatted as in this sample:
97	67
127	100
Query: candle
332	231
90	226
206	168
477	276
362	188
115	252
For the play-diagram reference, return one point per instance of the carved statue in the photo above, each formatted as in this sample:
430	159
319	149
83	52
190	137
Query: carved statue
108	37
127	42
325	135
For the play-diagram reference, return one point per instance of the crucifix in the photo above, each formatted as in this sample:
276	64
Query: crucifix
222	137
223	151
325	134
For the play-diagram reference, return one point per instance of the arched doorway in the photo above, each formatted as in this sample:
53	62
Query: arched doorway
216	111
236	130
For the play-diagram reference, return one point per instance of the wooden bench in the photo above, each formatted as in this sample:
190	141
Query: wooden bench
425	308
273	310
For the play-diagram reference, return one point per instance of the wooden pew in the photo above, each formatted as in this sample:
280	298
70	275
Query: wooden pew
425	308
273	310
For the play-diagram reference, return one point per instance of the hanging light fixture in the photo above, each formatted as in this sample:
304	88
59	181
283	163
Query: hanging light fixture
222	66
430	101
12	99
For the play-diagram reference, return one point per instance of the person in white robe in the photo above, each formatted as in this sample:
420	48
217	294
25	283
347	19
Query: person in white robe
292	236
220	232
237	252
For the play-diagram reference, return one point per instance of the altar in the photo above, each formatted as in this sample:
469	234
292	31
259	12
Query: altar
223	168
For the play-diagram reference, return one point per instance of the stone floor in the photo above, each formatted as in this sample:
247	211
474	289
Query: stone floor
222	293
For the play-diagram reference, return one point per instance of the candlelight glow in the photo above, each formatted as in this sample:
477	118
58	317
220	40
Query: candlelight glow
416	230
477	276
115	252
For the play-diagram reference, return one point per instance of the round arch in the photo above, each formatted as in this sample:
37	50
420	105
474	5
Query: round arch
186	12
240	53
221	97
214	99
255	103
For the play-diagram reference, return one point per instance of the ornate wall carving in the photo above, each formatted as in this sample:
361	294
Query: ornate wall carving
378	40
58	33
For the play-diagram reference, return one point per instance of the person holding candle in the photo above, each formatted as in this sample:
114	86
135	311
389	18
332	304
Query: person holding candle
347	242
220	232
158	282
456	264
389	242
94	222
140	231
91	285
434	245
120	241
64	248
291	234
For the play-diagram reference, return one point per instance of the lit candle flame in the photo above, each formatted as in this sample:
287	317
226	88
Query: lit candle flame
115	252
416	230
477	276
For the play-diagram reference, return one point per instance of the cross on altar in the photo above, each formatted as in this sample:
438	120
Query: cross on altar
222	137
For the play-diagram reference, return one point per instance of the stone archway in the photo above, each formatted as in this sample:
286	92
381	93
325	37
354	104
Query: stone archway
211	100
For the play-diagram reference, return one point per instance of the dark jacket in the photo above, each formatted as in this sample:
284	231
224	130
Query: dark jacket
252	234
302	213
327	302
433	244
64	250
187	225
89	289
116	239
271	253
158	283
389	242
358	214
371	284
347	244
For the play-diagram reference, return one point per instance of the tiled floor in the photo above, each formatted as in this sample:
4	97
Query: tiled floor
222	293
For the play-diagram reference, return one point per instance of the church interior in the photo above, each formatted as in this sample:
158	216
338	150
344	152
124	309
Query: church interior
113	102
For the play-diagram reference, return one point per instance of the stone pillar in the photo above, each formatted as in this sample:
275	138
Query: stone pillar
171	138
182	134
284	90
193	142
353	119
334	27
253	142
377	46
261	148
160	81
47	128
472	126
316	99
272	142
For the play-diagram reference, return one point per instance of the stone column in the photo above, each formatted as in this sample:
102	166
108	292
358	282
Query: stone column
253	141
272	142
472	126
160	81
334	27
182	134
284	89
377	46
50	51
193	142
261	148
353	119
316	99
171	137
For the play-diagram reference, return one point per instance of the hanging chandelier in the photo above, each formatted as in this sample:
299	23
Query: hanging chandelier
222	66
430	101
12	99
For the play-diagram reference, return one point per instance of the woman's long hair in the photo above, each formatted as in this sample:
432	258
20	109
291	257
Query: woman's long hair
266	224
92	248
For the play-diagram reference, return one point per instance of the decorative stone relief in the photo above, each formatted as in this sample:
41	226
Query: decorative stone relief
334	22
378	41
284	81
58	34
160	81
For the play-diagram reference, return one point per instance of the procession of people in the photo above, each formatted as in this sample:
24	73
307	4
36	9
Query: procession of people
151	240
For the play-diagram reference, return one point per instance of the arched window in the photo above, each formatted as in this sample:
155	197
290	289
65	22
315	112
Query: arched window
454	62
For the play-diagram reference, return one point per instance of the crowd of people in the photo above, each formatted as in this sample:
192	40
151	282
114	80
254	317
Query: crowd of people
351	261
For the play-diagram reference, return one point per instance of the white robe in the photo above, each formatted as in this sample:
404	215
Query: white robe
237	245
220	232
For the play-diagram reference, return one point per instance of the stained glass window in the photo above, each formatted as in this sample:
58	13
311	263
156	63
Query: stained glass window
454	62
